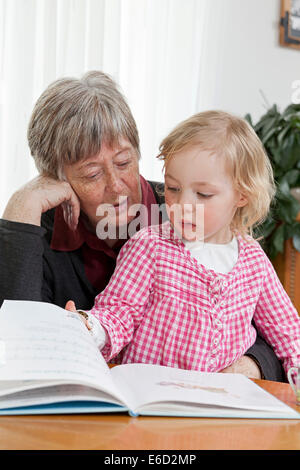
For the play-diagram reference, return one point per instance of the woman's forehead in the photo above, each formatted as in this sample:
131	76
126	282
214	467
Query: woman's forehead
106	152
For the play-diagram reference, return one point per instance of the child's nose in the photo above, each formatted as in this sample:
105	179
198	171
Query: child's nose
186	200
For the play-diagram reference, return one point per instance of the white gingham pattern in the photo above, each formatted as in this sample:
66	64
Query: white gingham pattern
163	307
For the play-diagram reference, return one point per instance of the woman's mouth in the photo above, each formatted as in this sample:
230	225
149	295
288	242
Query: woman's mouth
122	204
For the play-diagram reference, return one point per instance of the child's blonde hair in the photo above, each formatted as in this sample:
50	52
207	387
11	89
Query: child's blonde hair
235	140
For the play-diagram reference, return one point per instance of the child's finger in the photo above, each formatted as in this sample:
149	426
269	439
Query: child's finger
70	305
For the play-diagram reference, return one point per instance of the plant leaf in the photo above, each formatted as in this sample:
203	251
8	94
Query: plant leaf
291	177
248	118
282	134
279	132
278	238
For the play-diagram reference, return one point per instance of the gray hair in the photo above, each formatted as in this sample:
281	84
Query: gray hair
73	117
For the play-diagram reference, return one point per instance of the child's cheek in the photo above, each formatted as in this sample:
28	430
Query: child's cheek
169	202
207	221
170	213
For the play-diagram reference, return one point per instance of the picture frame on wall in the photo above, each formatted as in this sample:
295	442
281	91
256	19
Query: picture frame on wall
290	23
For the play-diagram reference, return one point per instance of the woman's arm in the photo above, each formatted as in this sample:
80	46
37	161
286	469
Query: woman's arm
21	237
21	261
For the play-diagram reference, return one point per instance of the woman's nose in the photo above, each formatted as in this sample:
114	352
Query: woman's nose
113	182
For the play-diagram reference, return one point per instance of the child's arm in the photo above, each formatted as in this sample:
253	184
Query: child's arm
94	327
277	319
120	307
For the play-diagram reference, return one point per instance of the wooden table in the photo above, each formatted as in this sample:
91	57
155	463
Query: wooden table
84	432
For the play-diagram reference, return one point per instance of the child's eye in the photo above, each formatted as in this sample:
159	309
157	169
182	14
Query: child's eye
171	188
204	195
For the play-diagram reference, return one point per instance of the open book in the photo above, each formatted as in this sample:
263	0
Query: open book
50	364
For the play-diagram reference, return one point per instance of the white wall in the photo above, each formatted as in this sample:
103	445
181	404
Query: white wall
243	56
241	62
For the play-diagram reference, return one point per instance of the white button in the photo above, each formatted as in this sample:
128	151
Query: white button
225	283
218	323
222	303
216	341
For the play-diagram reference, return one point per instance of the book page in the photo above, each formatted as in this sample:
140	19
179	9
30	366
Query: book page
160	385
60	393
43	342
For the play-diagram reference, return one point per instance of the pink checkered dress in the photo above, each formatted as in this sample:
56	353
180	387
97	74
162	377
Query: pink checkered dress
163	307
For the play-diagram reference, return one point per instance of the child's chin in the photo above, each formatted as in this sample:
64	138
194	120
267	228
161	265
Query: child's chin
189	237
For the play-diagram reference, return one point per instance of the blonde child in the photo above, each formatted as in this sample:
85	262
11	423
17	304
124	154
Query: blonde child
185	293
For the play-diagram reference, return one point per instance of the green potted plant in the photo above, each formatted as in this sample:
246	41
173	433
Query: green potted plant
280	135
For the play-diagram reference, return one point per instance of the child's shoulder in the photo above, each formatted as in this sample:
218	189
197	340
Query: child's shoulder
149	239
252	249
154	232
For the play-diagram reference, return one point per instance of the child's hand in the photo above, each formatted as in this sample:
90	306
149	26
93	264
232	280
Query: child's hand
70	305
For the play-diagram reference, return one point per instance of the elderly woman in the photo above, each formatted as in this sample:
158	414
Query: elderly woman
85	143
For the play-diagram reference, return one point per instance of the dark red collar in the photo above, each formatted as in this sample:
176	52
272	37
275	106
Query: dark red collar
64	239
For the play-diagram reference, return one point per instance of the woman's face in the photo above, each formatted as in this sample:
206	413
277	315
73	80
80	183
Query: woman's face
110	178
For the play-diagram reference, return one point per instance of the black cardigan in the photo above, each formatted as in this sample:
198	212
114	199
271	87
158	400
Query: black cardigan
31	270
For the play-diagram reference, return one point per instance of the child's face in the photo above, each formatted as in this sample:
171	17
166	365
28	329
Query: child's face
196	177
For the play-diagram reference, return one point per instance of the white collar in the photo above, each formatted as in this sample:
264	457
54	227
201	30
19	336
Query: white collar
198	245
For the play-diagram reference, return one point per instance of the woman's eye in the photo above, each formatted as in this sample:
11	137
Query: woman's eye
170	188
93	176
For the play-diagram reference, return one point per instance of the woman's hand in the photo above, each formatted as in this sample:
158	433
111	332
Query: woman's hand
71	307
38	196
246	366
